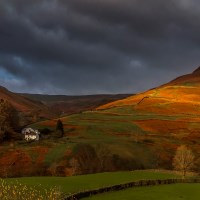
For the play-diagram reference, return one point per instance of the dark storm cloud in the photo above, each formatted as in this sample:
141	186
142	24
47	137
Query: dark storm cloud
101	46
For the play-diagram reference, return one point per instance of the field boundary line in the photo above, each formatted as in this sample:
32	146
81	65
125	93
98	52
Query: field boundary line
140	183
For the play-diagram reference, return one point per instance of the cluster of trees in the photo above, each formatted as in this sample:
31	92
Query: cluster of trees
8	120
89	158
58	133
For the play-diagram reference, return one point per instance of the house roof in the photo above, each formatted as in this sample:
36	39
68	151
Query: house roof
30	131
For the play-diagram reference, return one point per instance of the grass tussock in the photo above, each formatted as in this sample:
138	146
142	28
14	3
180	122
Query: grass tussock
18	191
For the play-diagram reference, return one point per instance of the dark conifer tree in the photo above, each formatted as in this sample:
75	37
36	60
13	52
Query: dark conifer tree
59	128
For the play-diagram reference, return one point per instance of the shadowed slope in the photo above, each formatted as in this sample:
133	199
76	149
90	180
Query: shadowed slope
29	110
63	104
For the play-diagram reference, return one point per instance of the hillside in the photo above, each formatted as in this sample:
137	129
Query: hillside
138	132
36	107
180	96
29	110
177	103
63	104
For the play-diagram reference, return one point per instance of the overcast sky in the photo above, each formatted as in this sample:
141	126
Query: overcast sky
96	46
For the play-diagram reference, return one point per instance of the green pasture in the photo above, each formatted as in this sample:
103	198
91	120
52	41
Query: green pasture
183	191
55	154
91	181
107	123
106	126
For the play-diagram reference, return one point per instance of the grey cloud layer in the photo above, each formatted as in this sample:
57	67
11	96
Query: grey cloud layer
101	46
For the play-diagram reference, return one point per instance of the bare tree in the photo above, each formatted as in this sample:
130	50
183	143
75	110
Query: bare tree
75	166
183	160
87	158
103	154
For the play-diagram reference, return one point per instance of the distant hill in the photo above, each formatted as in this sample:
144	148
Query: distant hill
35	107
63	104
29	110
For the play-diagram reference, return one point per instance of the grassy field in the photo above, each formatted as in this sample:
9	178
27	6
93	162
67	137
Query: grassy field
164	192
144	138
106	123
93	181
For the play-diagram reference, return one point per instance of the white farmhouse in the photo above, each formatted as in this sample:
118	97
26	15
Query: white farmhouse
31	134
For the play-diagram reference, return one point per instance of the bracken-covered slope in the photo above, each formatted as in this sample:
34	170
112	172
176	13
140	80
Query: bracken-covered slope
171	110
180	96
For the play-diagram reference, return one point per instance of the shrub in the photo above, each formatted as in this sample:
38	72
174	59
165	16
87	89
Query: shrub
18	191
45	131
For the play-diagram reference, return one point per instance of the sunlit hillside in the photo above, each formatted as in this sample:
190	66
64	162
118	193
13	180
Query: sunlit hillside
180	96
